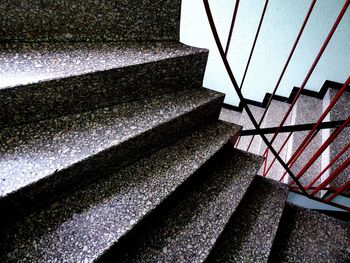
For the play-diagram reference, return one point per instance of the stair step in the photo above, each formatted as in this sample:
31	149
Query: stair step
43	80
231	116
83	226
247	124
307	110
89	20
273	118
42	159
308	236
340	111
188	230
249	235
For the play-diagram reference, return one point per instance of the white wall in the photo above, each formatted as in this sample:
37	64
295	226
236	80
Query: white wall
282	22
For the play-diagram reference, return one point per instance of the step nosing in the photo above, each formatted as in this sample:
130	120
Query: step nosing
171	52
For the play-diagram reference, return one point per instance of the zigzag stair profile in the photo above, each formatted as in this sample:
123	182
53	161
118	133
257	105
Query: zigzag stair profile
112	151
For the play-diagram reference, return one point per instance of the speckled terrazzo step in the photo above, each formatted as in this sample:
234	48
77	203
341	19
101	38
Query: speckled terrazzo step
249	235
42	80
47	157
273	118
247	124
308	236
81	227
340	111
89	20
307	110
187	231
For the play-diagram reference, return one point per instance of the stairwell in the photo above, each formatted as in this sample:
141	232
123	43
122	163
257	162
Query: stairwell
112	151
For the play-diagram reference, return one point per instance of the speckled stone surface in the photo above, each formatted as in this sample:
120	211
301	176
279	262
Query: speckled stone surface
340	111
249	235
230	115
42	80
52	155
79	228
188	231
89	20
308	236
308	110
273	118
247	124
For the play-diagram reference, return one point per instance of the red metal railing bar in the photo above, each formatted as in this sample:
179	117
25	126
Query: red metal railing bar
265	163
254	43
231	27
345	187
330	178
313	66
287	63
308	138
239	93
239	139
329	165
313	136
322	148
279	151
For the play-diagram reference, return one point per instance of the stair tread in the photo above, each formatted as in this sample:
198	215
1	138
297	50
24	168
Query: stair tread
88	222
249	235
34	151
27	63
308	236
188	231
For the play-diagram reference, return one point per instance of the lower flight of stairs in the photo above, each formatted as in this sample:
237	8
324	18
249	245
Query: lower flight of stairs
306	110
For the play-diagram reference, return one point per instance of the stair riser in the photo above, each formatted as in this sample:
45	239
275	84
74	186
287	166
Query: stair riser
102	164
89	20
95	90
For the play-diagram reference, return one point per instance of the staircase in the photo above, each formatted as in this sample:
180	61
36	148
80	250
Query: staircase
112	151
307	109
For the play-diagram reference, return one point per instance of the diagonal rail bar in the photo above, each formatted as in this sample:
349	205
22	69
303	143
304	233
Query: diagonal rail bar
235	10
306	19
313	66
239	93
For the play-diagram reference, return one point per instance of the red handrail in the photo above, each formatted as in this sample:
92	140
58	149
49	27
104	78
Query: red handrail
336	172
339	191
291	53
329	165
308	138
235	10
322	148
254	43
313	66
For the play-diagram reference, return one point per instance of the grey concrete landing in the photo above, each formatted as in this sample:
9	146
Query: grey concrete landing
249	235
82	226
188	231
